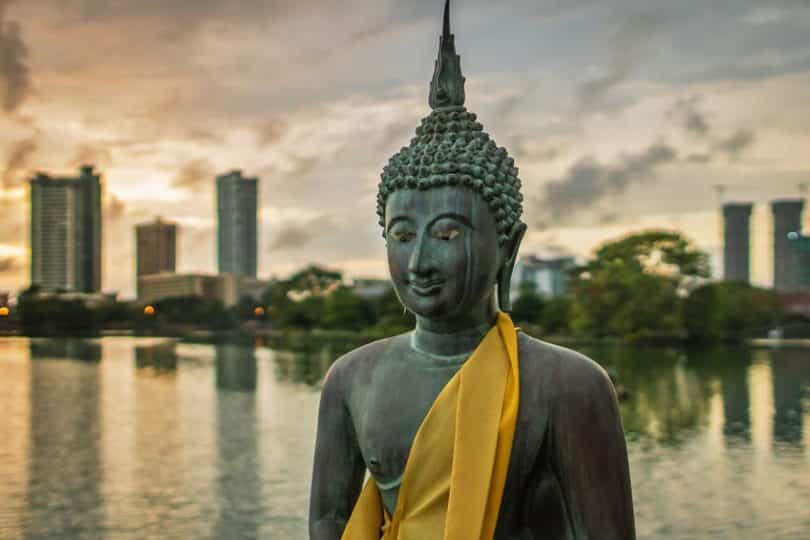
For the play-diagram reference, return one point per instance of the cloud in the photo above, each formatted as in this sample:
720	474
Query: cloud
737	143
15	75
297	235
688	114
90	154
271	131
588	182
193	174
627	47
10	264
18	160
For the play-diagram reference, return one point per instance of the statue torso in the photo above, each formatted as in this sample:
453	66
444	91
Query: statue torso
390	401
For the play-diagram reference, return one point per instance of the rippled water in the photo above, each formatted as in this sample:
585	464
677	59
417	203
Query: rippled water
126	438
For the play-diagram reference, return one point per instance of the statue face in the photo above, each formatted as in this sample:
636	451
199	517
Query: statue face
443	251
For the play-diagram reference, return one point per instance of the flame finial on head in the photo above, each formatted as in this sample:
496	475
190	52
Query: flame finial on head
447	86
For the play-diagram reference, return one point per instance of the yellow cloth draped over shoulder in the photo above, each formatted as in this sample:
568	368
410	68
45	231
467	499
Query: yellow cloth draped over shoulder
456	469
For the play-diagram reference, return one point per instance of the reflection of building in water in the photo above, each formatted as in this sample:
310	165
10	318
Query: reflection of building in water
159	356
64	499
307	366
158	480
236	367
736	402
239	493
73	349
791	373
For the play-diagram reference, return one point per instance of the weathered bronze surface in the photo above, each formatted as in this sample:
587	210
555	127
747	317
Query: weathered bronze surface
450	206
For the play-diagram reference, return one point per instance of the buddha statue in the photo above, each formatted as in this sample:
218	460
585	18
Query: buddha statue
464	428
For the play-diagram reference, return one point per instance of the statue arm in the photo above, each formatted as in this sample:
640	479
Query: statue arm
338	469
588	454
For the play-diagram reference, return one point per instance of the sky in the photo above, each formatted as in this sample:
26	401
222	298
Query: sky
621	115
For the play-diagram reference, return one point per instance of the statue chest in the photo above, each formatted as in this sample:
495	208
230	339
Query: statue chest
393	408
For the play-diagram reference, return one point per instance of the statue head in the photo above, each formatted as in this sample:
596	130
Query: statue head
450	206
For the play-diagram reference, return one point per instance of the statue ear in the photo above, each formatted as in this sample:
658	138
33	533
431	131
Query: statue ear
511	249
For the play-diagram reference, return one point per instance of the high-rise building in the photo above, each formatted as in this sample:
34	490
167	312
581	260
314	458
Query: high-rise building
737	241
787	219
237	224
155	249
66	232
801	248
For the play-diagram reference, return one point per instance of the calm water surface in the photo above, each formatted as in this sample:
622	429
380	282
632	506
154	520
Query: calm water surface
133	438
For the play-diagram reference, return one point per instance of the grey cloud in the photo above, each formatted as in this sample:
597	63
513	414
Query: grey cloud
17	161
15	75
688	113
588	182
627	46
737	143
193	174
297	235
91	154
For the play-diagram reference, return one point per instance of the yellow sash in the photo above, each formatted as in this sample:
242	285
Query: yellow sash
456	469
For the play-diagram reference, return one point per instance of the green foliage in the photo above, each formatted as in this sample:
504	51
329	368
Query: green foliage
194	310
47	316
631	288
730	311
529	306
555	318
344	310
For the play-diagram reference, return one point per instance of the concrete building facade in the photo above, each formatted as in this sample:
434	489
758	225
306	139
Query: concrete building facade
237	224
548	276
737	242
155	249
787	219
66	232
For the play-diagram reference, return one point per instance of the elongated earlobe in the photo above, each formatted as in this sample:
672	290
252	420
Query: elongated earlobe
505	275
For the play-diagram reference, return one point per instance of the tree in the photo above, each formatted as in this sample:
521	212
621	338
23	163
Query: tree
344	310
730	311
633	287
528	306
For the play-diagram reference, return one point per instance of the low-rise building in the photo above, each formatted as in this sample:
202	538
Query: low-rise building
370	288
227	288
548	276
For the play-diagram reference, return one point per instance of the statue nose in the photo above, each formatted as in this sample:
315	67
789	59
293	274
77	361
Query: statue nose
421	260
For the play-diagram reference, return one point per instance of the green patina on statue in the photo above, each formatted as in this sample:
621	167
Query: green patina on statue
450	207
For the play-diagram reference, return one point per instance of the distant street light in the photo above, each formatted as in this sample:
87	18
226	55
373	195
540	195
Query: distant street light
259	312
4	311
149	311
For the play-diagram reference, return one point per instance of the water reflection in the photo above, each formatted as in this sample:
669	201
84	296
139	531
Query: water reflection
236	368
159	357
790	381
129	439
238	486
64	473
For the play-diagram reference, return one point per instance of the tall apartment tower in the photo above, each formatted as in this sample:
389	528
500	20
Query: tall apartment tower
787	218
155	249
737	242
66	232
237	224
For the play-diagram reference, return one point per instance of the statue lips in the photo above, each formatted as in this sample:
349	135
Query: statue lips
425	287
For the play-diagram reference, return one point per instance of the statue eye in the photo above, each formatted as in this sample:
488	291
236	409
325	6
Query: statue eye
403	236
447	234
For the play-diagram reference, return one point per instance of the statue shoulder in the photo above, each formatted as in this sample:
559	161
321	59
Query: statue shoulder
567	373
358	364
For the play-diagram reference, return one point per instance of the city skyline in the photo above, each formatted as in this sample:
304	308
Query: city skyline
620	117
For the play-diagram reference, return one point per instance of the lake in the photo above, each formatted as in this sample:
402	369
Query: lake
124	438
